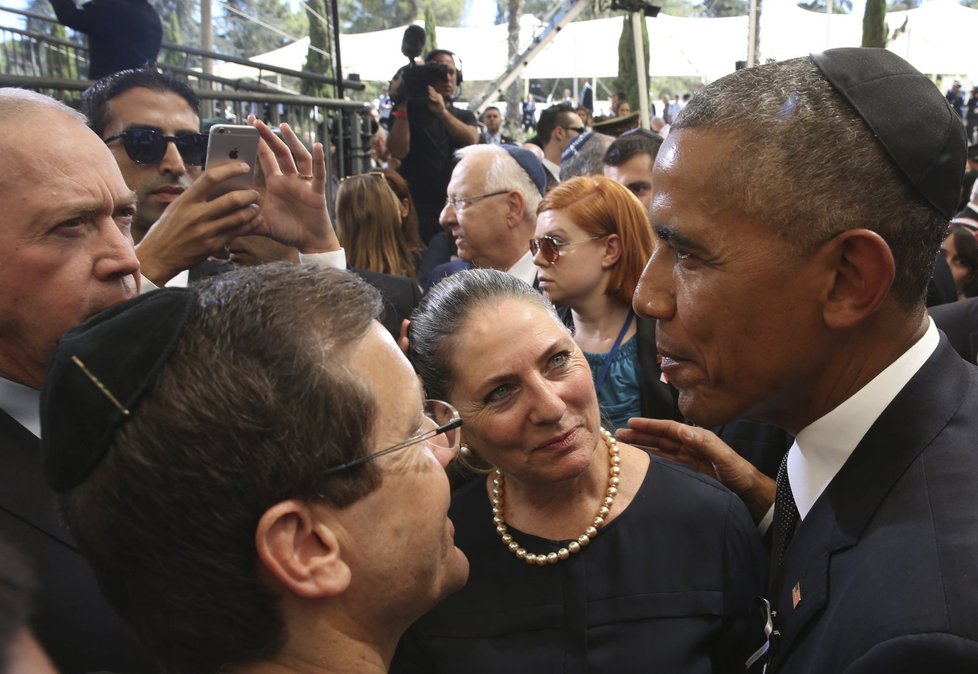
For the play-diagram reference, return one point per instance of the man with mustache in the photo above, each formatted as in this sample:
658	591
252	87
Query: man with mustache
175	227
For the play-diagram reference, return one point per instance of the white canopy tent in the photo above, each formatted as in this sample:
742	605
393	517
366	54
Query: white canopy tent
936	41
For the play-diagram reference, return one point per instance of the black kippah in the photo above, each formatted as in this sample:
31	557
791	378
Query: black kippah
908	114
99	372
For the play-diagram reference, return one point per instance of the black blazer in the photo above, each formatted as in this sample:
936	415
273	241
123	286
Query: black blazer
885	567
77	628
400	295
959	321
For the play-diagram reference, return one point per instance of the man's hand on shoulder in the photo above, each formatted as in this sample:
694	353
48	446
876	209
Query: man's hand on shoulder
193	228
702	450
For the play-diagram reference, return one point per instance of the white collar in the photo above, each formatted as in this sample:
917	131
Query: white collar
524	269
23	403
823	447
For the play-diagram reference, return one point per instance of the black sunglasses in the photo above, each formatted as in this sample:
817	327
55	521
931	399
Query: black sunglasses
147	146
580	129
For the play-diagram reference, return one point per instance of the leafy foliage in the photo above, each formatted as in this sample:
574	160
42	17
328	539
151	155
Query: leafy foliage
627	71
242	34
362	16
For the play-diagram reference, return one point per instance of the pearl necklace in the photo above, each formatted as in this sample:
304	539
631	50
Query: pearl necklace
584	539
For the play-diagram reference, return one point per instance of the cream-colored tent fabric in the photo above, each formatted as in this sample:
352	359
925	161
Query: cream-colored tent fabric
936	41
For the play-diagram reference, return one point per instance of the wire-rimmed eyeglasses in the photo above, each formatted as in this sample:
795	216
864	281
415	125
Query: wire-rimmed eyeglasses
460	203
439	430
550	247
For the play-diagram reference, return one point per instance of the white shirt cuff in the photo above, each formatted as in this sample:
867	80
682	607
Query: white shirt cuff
765	523
334	259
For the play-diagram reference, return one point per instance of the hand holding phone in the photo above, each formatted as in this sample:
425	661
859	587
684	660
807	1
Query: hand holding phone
227	143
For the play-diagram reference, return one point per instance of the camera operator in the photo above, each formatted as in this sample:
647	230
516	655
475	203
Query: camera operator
426	129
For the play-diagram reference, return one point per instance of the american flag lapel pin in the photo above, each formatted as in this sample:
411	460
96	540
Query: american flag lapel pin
796	595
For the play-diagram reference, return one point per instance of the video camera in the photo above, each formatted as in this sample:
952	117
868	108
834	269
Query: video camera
417	78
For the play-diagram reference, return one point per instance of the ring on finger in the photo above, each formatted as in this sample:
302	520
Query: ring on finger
305	176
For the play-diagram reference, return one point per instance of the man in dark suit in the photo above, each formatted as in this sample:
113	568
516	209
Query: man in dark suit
795	296
959	321
68	255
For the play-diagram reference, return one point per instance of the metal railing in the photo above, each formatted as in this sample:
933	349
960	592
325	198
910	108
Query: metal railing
58	68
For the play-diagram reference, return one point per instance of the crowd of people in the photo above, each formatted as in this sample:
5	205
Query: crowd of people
603	402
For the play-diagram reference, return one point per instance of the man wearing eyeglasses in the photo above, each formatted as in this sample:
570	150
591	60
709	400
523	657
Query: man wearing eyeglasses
288	510
558	126
491	210
151	124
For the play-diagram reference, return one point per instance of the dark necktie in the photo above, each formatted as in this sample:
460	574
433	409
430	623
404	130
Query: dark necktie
785	514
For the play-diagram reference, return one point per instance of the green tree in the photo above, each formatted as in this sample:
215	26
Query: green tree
181	20
838	6
362	16
251	27
715	9
627	72
514	111
430	28
319	58
874	24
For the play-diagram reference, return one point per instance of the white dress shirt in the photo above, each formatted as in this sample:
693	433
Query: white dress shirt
23	403
822	447
524	269
333	259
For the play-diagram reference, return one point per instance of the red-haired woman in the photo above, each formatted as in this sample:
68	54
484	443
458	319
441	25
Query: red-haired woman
592	241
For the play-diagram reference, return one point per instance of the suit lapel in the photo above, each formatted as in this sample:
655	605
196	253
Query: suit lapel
24	494
841	514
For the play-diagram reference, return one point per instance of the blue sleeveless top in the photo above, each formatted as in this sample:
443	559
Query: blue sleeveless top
620	395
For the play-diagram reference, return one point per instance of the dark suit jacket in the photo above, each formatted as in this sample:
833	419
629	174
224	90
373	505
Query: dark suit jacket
73	623
886	563
399	294
959	321
658	398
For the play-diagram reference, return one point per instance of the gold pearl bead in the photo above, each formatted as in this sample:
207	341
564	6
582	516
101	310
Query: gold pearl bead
496	501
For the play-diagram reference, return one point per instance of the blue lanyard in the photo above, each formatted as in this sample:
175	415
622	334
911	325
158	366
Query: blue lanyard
614	350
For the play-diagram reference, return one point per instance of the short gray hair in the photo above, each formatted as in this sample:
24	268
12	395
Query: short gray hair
804	162
587	162
16	103
505	174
